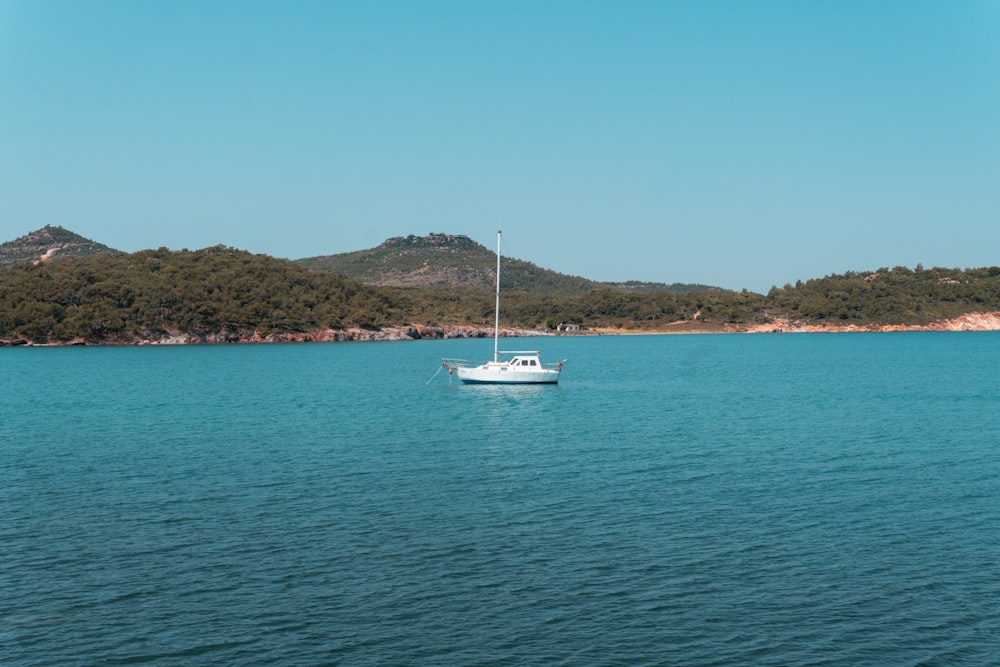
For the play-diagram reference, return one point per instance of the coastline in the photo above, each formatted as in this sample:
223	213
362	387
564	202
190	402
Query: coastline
985	321
978	321
344	335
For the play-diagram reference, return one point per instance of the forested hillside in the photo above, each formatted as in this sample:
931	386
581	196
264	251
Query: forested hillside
444	260
117	297
456	261
158	291
890	296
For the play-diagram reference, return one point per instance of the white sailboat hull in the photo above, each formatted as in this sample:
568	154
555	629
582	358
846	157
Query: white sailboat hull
504	373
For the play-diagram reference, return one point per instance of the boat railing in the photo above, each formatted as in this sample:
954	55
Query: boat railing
457	363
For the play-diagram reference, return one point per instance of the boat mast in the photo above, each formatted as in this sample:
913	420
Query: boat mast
496	322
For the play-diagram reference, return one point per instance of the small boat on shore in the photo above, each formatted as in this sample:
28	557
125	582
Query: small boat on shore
519	367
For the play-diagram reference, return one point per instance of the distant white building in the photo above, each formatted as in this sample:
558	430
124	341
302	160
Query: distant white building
569	327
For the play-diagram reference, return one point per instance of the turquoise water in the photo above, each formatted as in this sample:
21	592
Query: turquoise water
675	500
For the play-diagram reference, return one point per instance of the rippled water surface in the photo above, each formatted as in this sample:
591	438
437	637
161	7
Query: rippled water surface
675	500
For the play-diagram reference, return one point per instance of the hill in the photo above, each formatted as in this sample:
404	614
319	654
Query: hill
455	260
58	287
150	294
444	260
46	243
889	296
223	294
436	260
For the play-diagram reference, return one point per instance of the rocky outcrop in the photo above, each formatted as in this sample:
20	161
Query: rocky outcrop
975	322
967	322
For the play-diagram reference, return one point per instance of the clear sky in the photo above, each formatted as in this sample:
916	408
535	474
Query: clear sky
743	144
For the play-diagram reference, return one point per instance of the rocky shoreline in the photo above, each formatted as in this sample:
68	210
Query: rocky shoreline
352	334
969	322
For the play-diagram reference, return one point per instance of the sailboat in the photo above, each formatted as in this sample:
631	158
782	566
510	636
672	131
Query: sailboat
517	367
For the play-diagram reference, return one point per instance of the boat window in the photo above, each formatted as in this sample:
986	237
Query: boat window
531	362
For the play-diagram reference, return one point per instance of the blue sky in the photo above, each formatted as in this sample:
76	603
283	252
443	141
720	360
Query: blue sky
741	144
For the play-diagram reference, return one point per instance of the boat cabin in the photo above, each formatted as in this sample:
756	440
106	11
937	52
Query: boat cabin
527	363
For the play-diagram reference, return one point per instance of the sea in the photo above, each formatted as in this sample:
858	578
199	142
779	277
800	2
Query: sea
759	499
